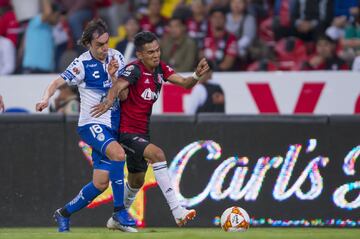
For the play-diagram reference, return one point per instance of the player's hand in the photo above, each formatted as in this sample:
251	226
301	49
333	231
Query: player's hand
202	67
99	109
41	105
113	66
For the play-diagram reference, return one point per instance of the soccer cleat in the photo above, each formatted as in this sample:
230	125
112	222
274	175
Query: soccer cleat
182	215
124	218
114	225
63	222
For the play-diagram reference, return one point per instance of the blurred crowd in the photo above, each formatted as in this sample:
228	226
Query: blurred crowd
235	35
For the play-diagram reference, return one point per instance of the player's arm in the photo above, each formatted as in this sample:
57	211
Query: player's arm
189	82
50	91
118	86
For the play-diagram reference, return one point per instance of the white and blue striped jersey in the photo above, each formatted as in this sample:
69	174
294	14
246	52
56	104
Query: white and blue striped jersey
93	81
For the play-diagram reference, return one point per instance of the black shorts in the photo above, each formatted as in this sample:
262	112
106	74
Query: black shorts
134	146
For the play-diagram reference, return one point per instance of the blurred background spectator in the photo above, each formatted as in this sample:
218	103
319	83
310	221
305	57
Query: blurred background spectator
67	101
242	24
344	13
197	24
114	13
325	57
236	35
306	19
177	48
152	20
220	46
78	13
126	46
9	26
7	56
207	96
39	51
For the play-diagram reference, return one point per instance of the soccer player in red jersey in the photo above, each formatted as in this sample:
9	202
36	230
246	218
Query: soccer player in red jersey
143	78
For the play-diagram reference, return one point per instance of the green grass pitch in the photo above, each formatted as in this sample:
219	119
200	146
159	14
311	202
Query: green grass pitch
181	233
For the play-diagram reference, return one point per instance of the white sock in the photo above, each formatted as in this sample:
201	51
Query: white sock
129	195
163	180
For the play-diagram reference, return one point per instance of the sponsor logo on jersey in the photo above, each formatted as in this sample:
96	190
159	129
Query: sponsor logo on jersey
126	73
107	83
67	75
147	81
139	139
130	68
96	74
148	94
119	182
147	74
75	62
76	70
91	65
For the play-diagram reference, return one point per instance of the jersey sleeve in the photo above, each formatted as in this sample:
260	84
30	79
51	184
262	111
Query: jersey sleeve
75	73
131	73
167	70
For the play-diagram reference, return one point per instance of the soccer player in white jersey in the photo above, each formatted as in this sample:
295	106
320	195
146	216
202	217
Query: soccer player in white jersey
92	72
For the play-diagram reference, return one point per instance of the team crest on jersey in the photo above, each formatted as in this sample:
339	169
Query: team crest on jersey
100	137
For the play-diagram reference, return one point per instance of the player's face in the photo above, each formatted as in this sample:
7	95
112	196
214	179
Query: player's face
150	54
99	46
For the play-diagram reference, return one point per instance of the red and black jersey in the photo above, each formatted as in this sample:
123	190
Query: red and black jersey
144	90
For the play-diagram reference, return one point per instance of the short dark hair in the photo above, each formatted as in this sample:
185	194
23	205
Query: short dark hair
143	38
324	37
217	8
178	18
94	26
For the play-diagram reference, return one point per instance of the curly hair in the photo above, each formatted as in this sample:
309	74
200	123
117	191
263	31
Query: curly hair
94	26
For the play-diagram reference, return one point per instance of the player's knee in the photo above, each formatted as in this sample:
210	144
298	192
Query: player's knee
136	182
159	156
118	155
102	186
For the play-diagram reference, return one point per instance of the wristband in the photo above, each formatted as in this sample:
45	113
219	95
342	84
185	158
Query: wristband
195	76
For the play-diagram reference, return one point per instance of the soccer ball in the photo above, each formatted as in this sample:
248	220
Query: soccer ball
235	219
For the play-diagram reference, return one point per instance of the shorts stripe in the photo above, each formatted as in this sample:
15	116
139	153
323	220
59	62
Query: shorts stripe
105	162
128	148
105	144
